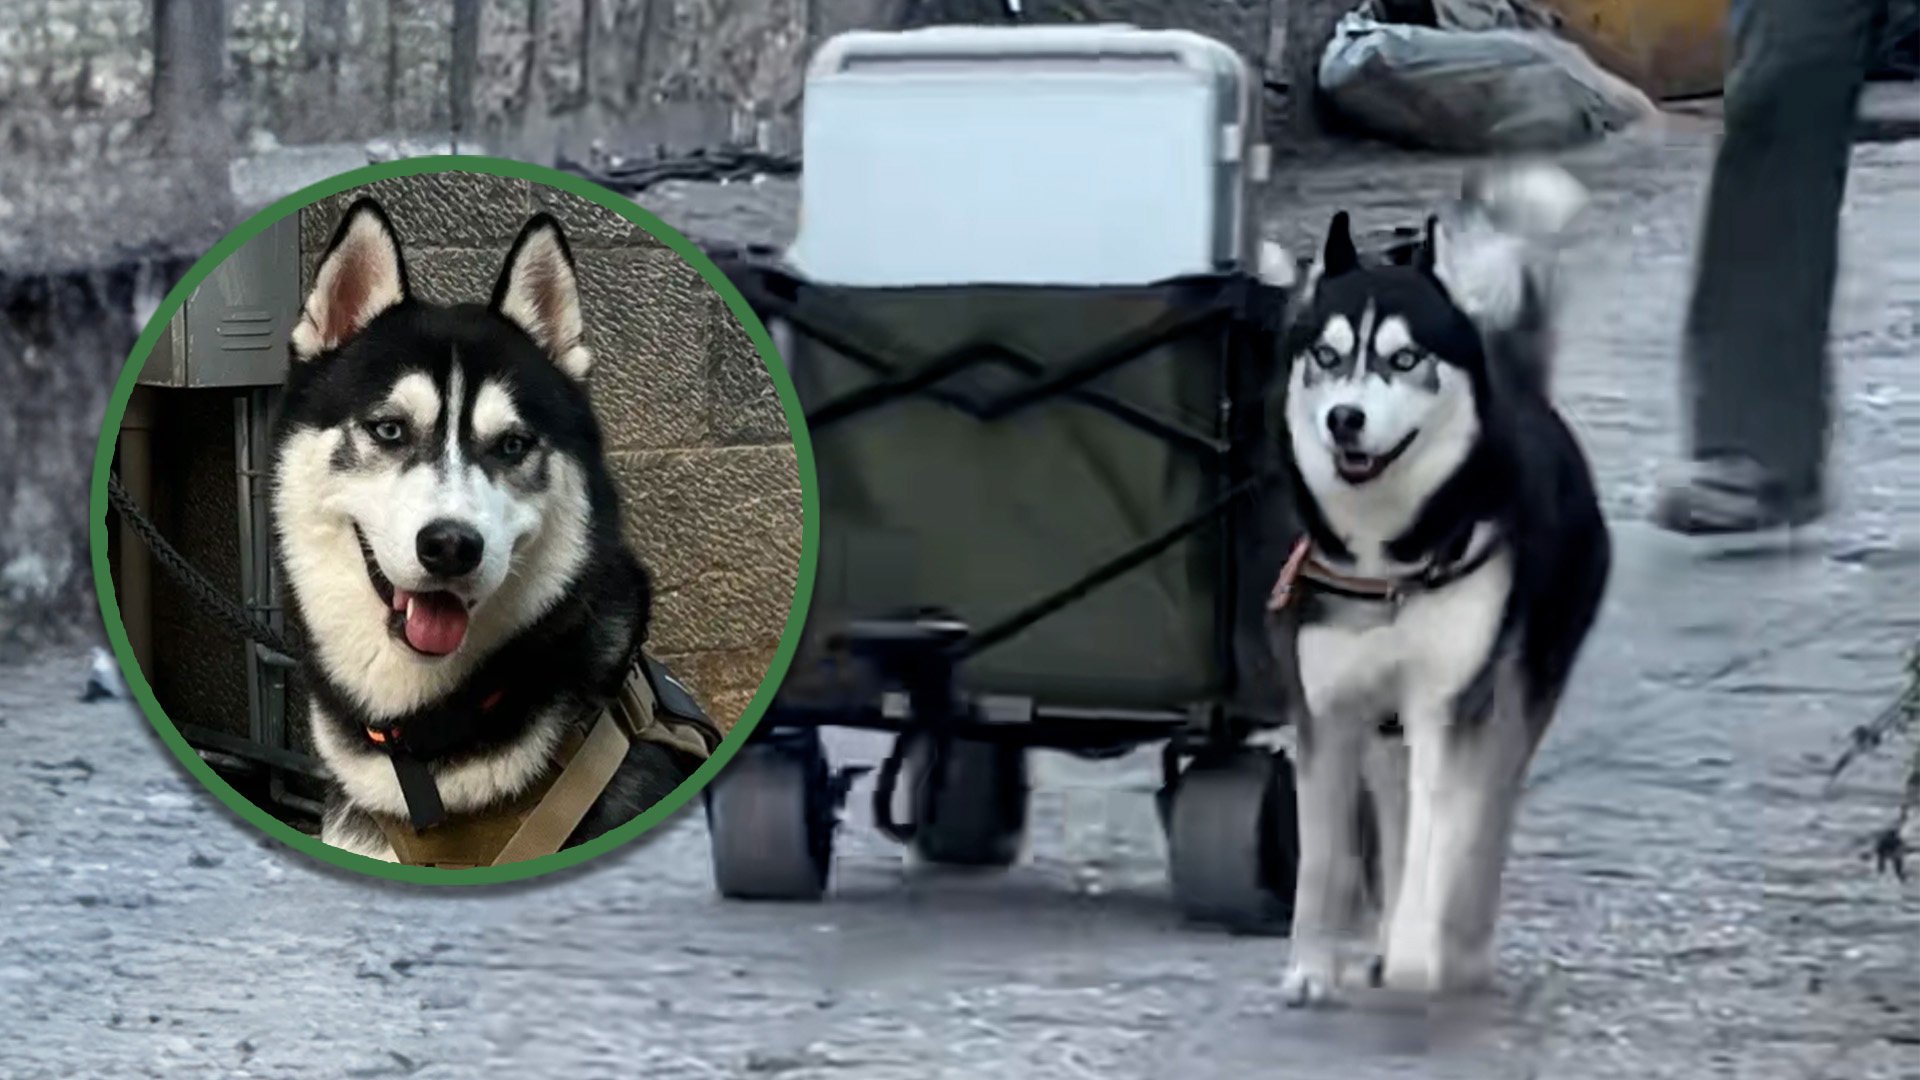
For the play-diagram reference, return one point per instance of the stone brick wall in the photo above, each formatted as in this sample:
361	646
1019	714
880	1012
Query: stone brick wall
695	434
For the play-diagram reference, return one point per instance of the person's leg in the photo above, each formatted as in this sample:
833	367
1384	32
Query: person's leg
1755	349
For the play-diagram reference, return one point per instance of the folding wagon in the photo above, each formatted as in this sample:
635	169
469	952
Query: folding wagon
1025	317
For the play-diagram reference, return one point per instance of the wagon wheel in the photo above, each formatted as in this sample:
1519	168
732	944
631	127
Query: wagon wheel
969	801
1233	842
770	819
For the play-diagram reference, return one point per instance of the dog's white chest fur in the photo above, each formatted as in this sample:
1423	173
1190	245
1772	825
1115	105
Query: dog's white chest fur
1419	658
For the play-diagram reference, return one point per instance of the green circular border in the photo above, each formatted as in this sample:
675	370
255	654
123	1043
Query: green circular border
116	412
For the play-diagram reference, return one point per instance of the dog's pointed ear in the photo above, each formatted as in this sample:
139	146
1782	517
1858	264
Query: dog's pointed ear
361	275
1427	256
540	292
1339	256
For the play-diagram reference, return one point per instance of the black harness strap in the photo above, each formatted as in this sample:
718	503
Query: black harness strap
424	808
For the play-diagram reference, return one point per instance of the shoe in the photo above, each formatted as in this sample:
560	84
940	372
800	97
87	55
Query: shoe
1732	495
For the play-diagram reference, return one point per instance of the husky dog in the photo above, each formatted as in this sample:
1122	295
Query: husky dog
450	536
1452	563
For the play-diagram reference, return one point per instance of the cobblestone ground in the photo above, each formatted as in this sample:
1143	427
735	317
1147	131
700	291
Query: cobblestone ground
1687	898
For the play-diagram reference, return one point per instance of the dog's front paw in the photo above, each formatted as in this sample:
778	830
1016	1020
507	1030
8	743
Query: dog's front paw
1309	986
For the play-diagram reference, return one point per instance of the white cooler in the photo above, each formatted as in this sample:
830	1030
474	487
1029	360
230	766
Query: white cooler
1087	155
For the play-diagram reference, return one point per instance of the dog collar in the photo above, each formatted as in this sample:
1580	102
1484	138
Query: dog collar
1303	565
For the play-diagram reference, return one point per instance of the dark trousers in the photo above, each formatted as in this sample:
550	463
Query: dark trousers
1756	338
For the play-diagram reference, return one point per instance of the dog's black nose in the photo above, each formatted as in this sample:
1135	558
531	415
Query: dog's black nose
448	548
1345	422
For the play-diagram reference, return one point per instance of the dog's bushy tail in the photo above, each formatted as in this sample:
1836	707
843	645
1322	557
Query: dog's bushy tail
1494	252
1534	200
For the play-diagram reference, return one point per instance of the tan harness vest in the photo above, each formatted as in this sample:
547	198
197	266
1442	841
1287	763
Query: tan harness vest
541	818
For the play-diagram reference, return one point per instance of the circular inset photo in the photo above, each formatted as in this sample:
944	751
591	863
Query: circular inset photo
453	520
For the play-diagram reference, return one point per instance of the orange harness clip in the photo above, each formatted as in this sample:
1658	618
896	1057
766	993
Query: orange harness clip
383	736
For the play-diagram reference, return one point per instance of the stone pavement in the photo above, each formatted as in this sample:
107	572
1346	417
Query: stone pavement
1687	897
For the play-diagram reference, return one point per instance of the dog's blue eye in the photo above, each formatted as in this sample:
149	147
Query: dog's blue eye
1326	356
1405	360
514	447
387	432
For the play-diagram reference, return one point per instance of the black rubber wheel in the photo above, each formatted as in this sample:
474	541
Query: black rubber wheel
1233	842
770	823
969	802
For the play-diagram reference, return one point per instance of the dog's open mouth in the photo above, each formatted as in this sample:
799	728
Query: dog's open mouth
430	623
1358	467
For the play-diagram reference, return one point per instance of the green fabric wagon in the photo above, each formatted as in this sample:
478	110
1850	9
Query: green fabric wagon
1034	357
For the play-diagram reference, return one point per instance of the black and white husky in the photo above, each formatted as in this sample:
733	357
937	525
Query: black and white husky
449	535
1453	560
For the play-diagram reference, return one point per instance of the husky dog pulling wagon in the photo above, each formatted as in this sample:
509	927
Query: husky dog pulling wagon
1025	316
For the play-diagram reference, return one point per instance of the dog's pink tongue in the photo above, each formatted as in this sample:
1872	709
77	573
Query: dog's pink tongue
436	621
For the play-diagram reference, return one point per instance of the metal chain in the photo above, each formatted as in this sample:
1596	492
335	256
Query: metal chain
209	595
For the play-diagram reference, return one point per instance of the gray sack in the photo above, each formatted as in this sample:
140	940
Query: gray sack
1496	90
